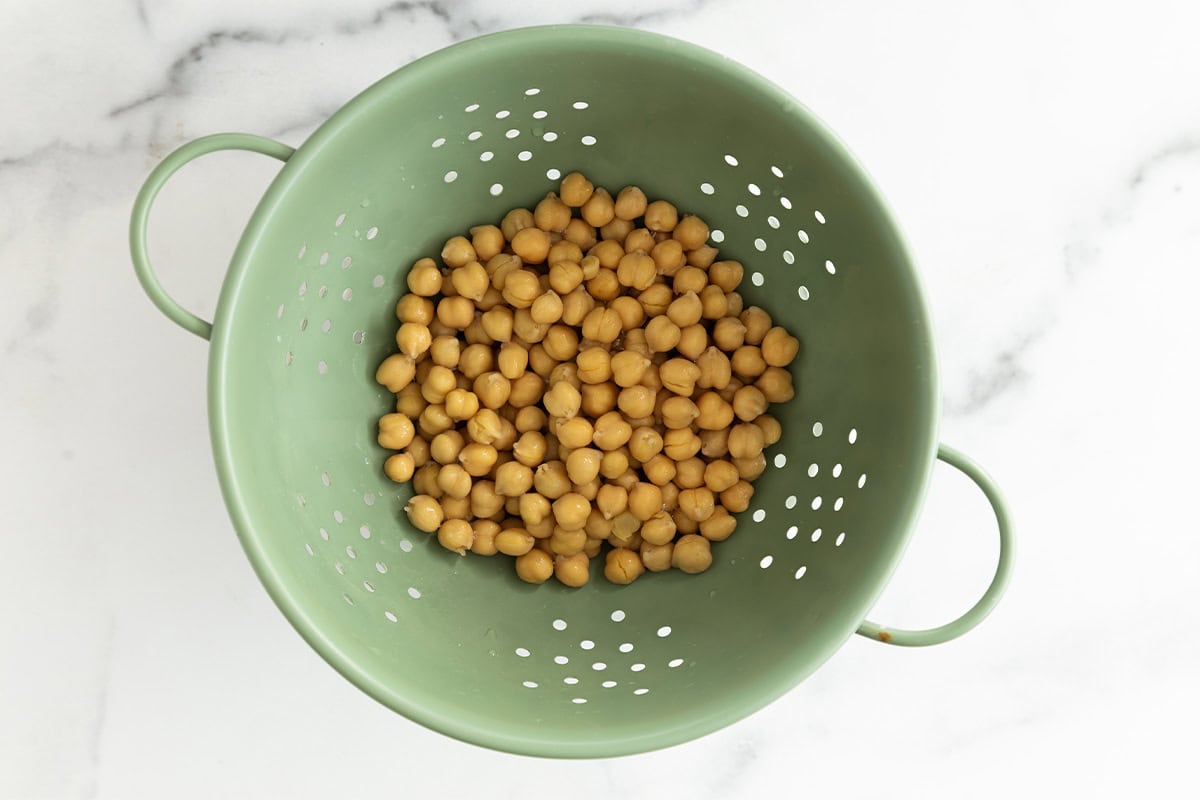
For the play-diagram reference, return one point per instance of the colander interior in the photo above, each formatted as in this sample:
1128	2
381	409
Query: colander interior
306	315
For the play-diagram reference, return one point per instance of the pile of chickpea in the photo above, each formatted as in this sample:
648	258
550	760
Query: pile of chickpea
586	372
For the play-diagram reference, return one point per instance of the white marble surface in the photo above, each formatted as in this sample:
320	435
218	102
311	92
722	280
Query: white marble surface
1046	165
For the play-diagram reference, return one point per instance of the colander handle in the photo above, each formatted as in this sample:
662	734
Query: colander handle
981	609
145	198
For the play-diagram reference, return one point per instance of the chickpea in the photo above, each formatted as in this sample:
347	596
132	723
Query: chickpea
521	287
527	389
629	311
516	220
779	347
567	543
679	376
575	190
776	385
474	333
583	465
575	433
425	481
514	541
399	467
419	451
395	431
749	403
434	420
628	368
757	323
625	527
614	463
424	513
639	240
645	443
719	475
602	325
571	511
491	298
726	274
455	312
691	232
530	449
542	530
513	479
551	479
635	341
456	535
470	280
484	426
662	334
686	309
656	299
500	267
444	351
532	245
668	257
772	431
713	412
630	203
719	527
597	526
460	404
689	279
534	566
439	328
645	500
670	493
680	443
484	500
604	286
561	342
507	437
636	401
497	323
693	340
747	362
579	233
684	524
551	214
729	333
483	537
562	400
702	257
678	412
564	277
492	389
715	369
486	240
622	566
658	529
396	372
414	308
533	508
539	360
661	216
595	365
689	473
454	481
745	440
656	557
477	459
598	210
612	500
659	469
446	446
692	554
607	255
611	431
752	467
636	270
425	279
599	398
737	497
572	570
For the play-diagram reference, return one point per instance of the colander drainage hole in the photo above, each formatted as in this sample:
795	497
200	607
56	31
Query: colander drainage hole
675	662
522	652
792	531
766	562
664	631
560	660
609	684
626	647
529	684
587	644
617	615
559	624
640	692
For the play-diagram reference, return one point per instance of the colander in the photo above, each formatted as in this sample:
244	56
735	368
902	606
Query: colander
306	314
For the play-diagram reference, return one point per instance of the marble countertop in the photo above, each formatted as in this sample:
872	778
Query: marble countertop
1045	162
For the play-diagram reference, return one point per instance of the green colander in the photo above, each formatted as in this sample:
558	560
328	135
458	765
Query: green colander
306	314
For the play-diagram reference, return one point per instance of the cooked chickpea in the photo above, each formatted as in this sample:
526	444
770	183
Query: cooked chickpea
516	220
729	333
567	543
595	365
532	245
492	389
414	308
745	440
630	203
484	500
656	557
575	432
455	312
425	279
497	323
662	334
483	537
484	426
506	439
713	412
534	566
583	464
776	385
684	524
446	446
645	500
749	403
622	566
726	274
656	299
571	511
691	232
470	280
715	369
689	473
751	467
561	342
444	351
598	210
530	448
454	481
772	431
477	459
575	189
692	554
564	277
419	451
668	257
659	469
399	467
737	497
779	347
645	443
396	431
474	333
562	400
514	541
679	376
611	431
579	233
719	526
571	570
678	412
460	404
500	267
697	503
551	479
615	463
624	527
612	500
636	270
680	443
604	286
434	420
693	340
425	481
521	288
533	508
396	372
551	214
628	368
513	479
636	401
658	529
601	325
424	513
757	322
747	362
661	216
